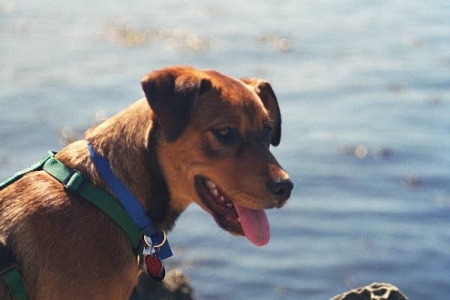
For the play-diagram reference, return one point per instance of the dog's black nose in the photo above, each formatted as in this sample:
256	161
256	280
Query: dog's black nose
281	188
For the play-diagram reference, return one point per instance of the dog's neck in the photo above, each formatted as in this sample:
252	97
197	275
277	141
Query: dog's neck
129	141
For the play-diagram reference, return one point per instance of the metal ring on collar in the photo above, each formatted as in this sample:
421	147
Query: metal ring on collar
160	244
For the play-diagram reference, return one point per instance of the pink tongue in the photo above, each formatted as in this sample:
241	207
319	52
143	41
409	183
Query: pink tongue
255	225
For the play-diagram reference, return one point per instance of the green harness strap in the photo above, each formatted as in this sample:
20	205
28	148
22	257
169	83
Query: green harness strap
10	273
8	267
34	167
78	184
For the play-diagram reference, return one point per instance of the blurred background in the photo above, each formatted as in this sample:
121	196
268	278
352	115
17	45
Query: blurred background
364	89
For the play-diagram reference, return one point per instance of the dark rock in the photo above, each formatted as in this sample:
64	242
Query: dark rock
175	286
374	291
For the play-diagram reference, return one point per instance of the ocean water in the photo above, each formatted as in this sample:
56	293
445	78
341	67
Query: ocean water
364	89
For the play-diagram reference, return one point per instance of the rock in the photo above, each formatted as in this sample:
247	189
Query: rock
175	286
374	291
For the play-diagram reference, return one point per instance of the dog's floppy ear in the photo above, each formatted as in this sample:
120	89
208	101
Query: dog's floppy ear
170	93
265	92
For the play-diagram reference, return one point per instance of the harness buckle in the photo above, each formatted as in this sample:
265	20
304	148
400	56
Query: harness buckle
74	181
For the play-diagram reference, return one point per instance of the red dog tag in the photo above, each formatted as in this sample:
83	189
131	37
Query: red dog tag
155	267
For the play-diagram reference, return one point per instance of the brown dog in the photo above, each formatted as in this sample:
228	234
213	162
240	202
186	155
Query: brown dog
198	136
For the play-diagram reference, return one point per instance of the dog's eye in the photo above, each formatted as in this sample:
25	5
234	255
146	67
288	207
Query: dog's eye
225	135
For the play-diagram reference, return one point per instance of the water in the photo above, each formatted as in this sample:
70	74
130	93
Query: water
364	91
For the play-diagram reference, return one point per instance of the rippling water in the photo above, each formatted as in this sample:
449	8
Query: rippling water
364	91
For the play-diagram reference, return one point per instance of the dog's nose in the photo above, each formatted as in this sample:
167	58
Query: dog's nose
281	188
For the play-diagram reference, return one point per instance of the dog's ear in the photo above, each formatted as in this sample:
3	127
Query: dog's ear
170	93
265	92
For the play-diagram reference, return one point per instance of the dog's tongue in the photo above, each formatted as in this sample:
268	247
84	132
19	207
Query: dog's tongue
255	225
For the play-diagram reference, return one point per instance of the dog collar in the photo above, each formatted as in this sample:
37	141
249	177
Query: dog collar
129	202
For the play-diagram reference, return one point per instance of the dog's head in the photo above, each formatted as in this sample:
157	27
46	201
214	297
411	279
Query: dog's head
213	146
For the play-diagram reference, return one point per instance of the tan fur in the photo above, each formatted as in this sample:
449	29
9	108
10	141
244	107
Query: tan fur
68	249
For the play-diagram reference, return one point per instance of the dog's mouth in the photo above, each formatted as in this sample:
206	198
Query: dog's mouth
231	216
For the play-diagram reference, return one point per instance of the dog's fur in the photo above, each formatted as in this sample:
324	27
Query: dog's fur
191	124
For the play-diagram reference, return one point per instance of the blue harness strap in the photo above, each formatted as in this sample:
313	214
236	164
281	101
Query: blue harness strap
131	205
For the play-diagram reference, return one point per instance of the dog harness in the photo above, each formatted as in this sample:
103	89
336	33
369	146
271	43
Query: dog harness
10	273
128	214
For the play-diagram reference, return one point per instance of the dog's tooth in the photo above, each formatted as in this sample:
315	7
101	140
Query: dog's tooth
239	220
221	199
211	185
214	192
229	204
